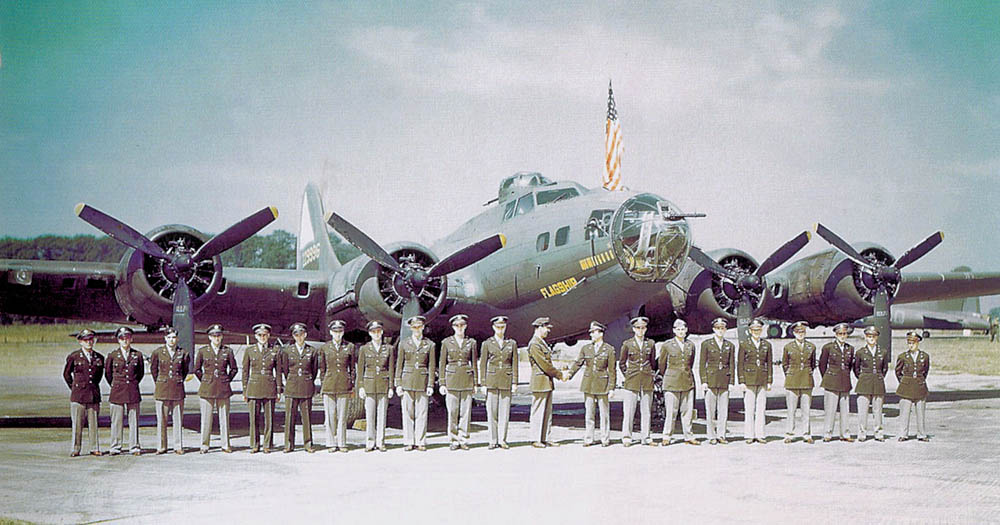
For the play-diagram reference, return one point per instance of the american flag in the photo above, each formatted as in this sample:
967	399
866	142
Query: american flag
612	147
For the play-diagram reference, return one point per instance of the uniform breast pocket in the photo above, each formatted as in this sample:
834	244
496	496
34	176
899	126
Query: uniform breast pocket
601	362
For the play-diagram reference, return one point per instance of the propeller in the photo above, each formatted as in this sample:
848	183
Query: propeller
746	287
180	263
414	277
880	276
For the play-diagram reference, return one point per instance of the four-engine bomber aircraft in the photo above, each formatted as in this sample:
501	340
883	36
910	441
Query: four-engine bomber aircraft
544	249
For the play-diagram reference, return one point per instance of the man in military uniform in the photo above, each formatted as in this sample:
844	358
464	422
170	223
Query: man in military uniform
637	361
215	367
169	365
798	360
912	367
871	364
542	374
123	370
676	365
498	363
82	373
298	363
261	386
600	375
835	364
756	375
459	379
415	361
337	361
717	368
374	384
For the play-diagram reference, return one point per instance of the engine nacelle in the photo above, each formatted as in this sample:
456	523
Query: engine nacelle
699	296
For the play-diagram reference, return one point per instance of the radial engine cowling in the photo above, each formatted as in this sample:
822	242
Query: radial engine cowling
381	291
701	296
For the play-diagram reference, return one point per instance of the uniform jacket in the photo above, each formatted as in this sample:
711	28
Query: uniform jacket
415	365
912	375
835	366
870	370
338	367
215	371
299	370
375	368
169	373
261	373
676	364
123	373
83	377
458	364
755	367
717	366
498	364
637	364
542	369
599	371
798	362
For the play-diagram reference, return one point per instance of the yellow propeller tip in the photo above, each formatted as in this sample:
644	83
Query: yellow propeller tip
941	235
274	211
326	218
809	235
503	240
79	209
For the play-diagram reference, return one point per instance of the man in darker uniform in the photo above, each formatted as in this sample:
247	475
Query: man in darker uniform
459	378
871	364
756	375
600	375
374	384
498	363
717	368
261	386
298	363
82	373
542	374
676	365
124	370
215	367
835	364
637	361
415	361
169	365
337	362
798	360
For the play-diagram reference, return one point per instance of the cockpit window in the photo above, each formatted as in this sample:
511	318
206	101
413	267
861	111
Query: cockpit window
598	224
547	196
508	212
525	204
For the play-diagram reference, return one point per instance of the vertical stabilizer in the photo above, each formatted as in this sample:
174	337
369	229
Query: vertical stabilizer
314	251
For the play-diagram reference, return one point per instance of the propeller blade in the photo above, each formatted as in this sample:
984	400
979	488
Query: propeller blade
781	255
842	245
882	320
119	231
919	250
183	320
467	256
743	313
362	241
410	309
702	259
236	234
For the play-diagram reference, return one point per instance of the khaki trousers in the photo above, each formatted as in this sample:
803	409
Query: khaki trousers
118	413
831	401
459	405
672	403
498	414
173	408
261	409
541	416
414	408
716	412
601	400
78	413
645	400
304	407
754	403
875	401
375	405
335	412
904	412
208	406
798	398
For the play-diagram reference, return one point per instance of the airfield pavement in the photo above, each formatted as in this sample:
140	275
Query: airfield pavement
954	478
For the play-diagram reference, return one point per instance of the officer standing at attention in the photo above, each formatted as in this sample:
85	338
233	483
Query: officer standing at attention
542	374
215	367
498	362
798	360
600	375
374	384
676	365
83	371
458	367
415	361
123	370
337	362
756	374
637	361
261	386
835	364
169	365
717	368
871	364
299	366
912	367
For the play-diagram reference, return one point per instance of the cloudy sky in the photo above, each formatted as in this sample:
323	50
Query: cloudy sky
882	122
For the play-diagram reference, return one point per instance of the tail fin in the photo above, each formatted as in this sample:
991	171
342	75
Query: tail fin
314	251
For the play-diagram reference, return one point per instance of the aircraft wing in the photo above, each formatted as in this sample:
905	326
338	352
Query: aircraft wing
65	289
917	287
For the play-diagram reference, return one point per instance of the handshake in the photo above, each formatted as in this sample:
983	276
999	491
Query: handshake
564	374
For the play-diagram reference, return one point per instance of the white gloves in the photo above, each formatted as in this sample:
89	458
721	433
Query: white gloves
443	389
399	391
430	391
361	392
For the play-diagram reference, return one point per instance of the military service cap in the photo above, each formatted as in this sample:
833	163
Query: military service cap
841	327
499	319
215	329
337	325
416	320
374	325
720	321
541	321
799	326
756	323
170	330
260	328
680	323
594	325
637	320
871	330
297	327
458	317
122	331
914	334
86	333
